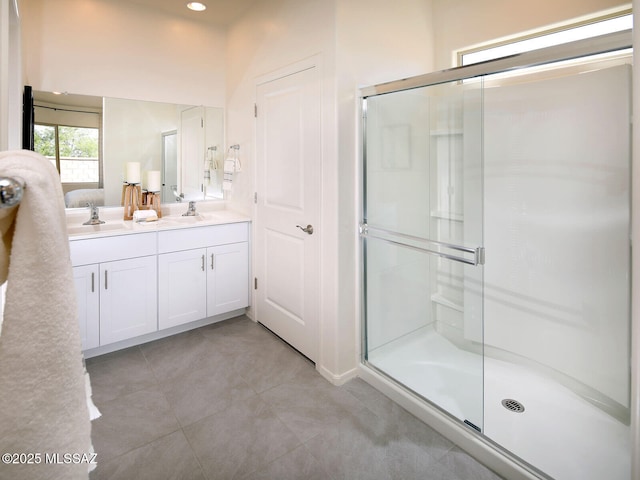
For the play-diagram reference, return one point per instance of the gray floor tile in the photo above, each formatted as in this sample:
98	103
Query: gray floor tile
465	467
130	421
296	465
374	400
269	364
309	405
240	328
405	423
175	356
369	447
204	391
244	438
122	373
168	458
251	407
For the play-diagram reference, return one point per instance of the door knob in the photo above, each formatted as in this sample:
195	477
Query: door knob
308	229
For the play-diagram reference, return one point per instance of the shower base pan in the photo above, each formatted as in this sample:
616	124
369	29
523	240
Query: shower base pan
555	430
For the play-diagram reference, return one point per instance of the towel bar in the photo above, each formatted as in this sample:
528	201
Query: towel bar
11	191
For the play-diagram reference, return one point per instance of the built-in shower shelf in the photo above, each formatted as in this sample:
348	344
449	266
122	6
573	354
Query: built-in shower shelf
441	215
445	302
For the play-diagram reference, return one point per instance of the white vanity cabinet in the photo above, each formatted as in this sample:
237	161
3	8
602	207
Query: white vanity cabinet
202	272
128	299
116	285
85	278
227	278
182	293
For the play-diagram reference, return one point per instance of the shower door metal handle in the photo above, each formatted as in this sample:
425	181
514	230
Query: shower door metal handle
432	247
308	229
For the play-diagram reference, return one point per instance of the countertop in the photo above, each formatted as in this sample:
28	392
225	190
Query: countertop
208	213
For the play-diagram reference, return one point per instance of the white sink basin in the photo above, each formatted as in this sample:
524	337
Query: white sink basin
187	220
103	227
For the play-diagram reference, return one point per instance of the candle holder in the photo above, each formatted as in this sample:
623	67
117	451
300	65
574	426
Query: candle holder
153	202
131	199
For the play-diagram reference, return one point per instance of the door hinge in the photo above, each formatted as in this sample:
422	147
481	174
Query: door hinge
255	197
363	229
255	110
255	283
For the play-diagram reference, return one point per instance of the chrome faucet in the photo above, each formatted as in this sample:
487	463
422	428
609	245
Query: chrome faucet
95	217
174	190
191	212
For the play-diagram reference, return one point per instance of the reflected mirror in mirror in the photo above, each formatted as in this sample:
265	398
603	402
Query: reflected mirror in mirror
91	139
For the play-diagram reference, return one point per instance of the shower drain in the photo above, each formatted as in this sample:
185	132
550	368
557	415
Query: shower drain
513	405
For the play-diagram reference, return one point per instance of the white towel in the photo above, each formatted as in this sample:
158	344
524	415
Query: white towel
229	165
227	179
145	216
43	404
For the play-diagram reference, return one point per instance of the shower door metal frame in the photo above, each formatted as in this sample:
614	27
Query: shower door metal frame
608	43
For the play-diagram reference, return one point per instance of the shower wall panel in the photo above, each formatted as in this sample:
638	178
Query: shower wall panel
557	164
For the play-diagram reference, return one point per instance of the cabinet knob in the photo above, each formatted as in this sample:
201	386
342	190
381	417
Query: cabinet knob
212	261
203	263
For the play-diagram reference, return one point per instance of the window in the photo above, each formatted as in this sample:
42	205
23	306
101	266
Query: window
74	151
577	31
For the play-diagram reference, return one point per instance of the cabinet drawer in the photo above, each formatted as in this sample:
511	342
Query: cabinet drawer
107	249
199	237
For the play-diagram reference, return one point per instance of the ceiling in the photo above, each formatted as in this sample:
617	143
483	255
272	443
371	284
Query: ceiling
67	99
218	12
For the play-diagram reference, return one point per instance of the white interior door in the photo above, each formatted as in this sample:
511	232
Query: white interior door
289	156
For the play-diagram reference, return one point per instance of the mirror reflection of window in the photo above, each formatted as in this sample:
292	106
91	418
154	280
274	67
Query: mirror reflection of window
68	131
74	151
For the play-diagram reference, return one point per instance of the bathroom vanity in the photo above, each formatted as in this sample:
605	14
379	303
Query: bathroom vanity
139	282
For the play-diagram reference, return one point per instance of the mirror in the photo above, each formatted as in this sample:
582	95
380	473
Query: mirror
92	139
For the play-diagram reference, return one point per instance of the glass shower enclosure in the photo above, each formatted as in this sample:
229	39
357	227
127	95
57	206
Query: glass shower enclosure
496	253
424	261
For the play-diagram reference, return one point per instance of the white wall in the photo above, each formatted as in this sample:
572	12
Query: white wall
464	23
119	49
376	41
10	77
635	259
359	43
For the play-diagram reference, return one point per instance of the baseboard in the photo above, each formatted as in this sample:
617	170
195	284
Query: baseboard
131	342
337	380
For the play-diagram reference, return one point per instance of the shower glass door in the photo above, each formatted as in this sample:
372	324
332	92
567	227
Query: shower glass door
422	243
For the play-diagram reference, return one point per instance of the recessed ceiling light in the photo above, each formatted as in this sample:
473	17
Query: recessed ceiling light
197	6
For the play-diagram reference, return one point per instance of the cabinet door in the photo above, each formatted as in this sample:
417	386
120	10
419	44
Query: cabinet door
182	287
128	299
227	278
87	294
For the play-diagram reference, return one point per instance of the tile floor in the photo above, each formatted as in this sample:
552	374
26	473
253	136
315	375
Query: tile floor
232	401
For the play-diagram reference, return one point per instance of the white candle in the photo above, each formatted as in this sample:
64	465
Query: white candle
133	172
153	181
